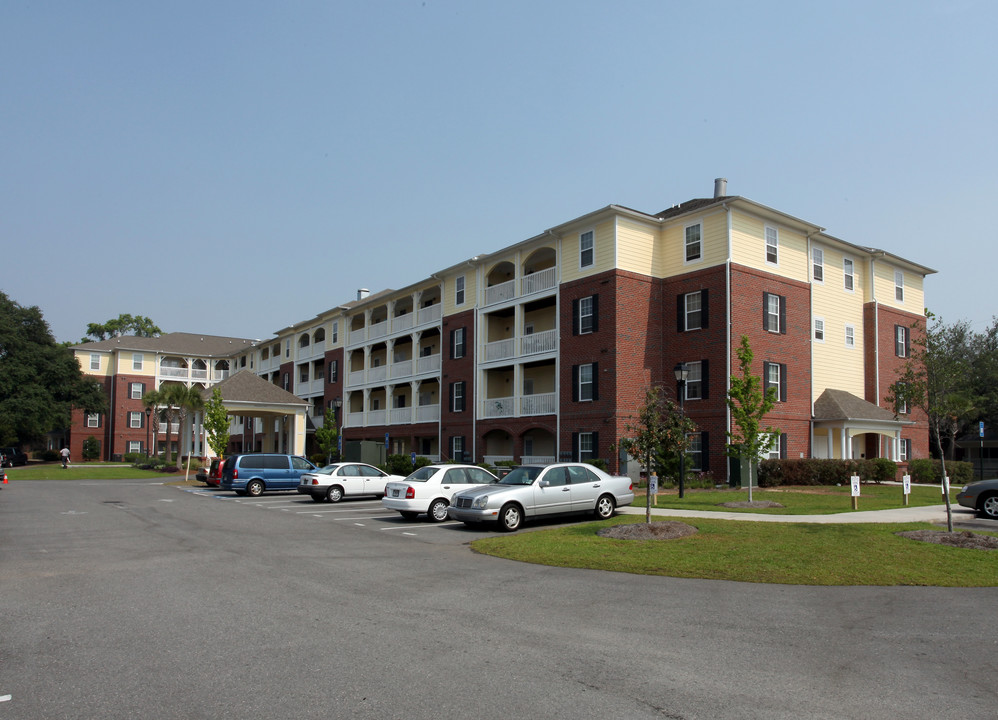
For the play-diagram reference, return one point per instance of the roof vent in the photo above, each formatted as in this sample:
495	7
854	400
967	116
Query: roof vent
720	187
363	293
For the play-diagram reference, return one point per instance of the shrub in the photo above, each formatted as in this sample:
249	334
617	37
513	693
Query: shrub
91	448
814	471
403	465
883	470
598	463
50	456
924	470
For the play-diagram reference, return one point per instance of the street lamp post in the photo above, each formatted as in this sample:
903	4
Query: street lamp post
337	405
682	372
148	413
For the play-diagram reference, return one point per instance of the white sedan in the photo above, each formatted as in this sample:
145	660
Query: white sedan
335	482
429	489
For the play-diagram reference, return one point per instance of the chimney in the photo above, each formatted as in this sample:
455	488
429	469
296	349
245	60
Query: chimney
720	187
363	293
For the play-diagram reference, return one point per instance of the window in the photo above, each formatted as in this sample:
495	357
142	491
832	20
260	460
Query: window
848	274
586	250
774	313
336	330
137	361
334	371
94	361
457	343
457	396
242	361
303	373
772	245
819	330
287	348
136	390
850	336
691	311
778	448
905	448
902	341
694	251
584	382
775	376
135	419
585	446
585	315
457	447
459	290
818	264
285	381
696	380
899	286
93	420
694	451
134	447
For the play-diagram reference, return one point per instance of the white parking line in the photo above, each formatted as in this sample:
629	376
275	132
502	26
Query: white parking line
424	525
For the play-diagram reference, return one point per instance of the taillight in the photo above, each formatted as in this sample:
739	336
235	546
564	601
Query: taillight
410	493
315	481
235	473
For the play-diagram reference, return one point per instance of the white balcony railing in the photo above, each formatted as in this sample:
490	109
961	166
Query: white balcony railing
500	349
377	330
355	377
199	374
355	419
538	281
358	336
173	372
376	417
500	293
540	342
401	369
402	322
537	459
493	459
427	364
498	407
542	404
401	416
432	457
377	374
427	413
429	314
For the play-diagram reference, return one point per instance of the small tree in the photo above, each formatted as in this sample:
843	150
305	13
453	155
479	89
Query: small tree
658	435
216	423
327	436
936	379
91	448
188	401
748	402
151	401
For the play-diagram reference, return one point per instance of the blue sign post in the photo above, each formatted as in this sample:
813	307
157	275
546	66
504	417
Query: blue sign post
980	430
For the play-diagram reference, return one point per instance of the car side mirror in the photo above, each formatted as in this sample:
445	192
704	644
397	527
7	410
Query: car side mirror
544	483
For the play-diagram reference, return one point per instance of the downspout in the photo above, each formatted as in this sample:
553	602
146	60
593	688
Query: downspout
810	292
557	355
727	330
876	330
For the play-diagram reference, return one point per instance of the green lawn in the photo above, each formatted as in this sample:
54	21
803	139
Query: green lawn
83	471
805	500
784	553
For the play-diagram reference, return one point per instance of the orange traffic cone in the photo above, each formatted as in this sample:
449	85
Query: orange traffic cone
4	476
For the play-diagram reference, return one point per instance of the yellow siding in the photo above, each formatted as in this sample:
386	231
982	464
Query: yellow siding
604	252
470	290
124	363
836	365
83	357
748	247
713	239
638	247
914	284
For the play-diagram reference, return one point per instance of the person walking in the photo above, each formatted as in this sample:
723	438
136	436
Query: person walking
65	457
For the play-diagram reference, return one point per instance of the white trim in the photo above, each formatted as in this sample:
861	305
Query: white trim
847	275
814	330
849	335
686	227
776	245
592	249
815	252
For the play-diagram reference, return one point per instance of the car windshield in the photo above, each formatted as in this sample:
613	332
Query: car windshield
327	470
422	474
522	476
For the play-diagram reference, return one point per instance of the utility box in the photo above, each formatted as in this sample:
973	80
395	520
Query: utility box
365	451
738	475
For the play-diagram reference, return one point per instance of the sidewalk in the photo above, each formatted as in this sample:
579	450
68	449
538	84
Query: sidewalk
931	514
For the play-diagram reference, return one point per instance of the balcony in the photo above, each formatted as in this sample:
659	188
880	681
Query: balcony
498	407
428	364
402	322
500	350
537	459
427	413
377	374
539	281
358	336
541	342
401	369
429	314
174	372
199	374
541	404
355	377
500	293
377	330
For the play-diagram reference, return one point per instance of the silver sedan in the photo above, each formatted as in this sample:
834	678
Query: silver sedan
537	490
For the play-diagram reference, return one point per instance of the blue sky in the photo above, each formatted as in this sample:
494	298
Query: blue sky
231	168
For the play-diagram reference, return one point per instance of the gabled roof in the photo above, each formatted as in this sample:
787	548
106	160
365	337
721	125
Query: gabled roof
692	205
248	387
177	343
841	405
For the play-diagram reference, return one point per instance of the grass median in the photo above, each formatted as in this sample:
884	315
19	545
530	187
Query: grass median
83	471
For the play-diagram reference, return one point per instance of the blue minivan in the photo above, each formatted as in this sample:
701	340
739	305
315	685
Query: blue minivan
256	473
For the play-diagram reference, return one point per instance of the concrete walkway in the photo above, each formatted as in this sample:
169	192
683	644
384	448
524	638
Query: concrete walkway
931	514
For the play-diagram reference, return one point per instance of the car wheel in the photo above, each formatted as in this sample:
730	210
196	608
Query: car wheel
438	510
254	488
317	498
604	507
989	506
408	514
334	494
510	517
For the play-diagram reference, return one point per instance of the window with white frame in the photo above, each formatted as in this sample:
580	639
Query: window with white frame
136	361
694	247
818	264
457	397
459	290
135	419
899	286
774	375
585	315
774	452
772	245
694	381
457	343
336	330
585	390
457	447
94	361
901	341
287	348
905	448
850	336
819	329
134	446
93	420
586	451
586	249
693	311
848	274
694	451
772	313
136	390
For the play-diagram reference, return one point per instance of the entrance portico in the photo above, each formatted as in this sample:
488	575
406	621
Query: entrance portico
843	425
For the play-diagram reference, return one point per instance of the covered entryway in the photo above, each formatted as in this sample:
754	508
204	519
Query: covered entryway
848	427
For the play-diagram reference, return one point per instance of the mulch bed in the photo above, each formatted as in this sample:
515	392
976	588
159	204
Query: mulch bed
753	504
663	530
964	539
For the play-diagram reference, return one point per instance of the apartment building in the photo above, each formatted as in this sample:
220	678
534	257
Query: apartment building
543	350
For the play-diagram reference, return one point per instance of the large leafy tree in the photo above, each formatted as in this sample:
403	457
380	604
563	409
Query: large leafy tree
937	378
122	325
40	380
216	422
749	403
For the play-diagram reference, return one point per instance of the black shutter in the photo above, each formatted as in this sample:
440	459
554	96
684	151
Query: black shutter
765	378
595	312
783	382
595	446
680	312
575	383
452	344
595	381
450	397
783	446
704	380
704	451
765	311
783	315
575	447
575	317
907	342
704	309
